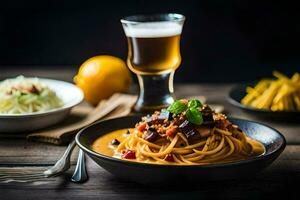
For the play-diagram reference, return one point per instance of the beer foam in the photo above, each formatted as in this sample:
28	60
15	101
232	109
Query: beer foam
153	29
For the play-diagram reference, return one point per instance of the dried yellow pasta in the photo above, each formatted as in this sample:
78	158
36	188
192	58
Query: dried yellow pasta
281	94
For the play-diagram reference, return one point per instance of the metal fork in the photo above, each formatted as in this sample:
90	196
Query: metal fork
19	175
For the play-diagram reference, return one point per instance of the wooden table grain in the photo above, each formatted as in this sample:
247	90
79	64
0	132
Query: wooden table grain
280	179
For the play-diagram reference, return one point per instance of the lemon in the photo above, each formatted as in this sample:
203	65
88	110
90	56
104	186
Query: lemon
101	76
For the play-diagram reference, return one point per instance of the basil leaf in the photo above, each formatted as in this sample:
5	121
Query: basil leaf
177	107
194	103
194	116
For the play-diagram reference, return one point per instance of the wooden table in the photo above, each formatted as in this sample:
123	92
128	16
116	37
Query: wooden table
280	179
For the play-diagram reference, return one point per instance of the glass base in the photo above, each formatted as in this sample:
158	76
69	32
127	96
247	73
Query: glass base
156	92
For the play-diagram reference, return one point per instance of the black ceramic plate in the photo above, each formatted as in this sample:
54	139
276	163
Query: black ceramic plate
238	92
273	141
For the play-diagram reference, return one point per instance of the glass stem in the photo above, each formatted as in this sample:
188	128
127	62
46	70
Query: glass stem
156	92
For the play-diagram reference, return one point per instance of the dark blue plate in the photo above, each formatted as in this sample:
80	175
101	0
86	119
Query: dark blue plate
238	92
273	141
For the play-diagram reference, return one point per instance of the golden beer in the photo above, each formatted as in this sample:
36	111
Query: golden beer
153	55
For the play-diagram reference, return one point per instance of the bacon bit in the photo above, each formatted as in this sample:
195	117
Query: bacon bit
141	127
171	131
33	89
128	154
169	158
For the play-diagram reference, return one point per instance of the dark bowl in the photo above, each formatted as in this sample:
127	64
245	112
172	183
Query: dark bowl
273	141
238	92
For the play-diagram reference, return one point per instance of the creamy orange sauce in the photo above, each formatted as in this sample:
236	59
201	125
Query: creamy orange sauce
103	146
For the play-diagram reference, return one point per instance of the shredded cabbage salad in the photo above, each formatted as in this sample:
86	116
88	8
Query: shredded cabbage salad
22	95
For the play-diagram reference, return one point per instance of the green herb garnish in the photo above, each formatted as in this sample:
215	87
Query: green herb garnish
192	110
194	103
194	116
177	107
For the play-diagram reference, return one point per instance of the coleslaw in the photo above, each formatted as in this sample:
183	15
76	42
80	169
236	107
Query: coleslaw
22	95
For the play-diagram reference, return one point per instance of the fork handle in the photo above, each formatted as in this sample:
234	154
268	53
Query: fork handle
80	174
63	163
68	151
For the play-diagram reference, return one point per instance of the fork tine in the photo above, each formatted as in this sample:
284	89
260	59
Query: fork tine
8	172
19	171
23	179
20	174
23	176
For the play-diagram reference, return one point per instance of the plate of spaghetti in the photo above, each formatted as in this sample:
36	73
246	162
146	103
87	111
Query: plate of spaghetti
188	140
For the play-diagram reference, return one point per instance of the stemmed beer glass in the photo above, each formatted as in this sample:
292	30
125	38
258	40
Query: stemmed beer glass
154	55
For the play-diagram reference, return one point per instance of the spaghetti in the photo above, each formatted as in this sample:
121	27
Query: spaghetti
173	139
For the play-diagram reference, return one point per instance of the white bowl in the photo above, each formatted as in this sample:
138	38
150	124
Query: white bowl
71	96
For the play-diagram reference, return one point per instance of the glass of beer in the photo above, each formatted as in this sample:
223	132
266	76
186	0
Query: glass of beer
154	55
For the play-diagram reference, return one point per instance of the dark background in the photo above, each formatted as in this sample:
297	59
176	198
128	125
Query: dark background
222	41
